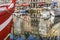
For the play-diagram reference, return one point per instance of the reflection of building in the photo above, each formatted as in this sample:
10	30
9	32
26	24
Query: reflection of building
23	1
34	3
35	23
58	2
4	1
27	23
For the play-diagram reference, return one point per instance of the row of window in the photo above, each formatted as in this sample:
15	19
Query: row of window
28	1
4	1
41	0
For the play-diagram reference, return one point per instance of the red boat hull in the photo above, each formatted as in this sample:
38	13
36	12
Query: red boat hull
6	31
6	20
5	25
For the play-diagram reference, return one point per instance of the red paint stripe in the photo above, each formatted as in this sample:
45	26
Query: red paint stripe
4	17
6	30
8	38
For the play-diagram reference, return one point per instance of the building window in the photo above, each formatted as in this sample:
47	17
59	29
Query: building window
36	0
4	1
34	22
33	0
